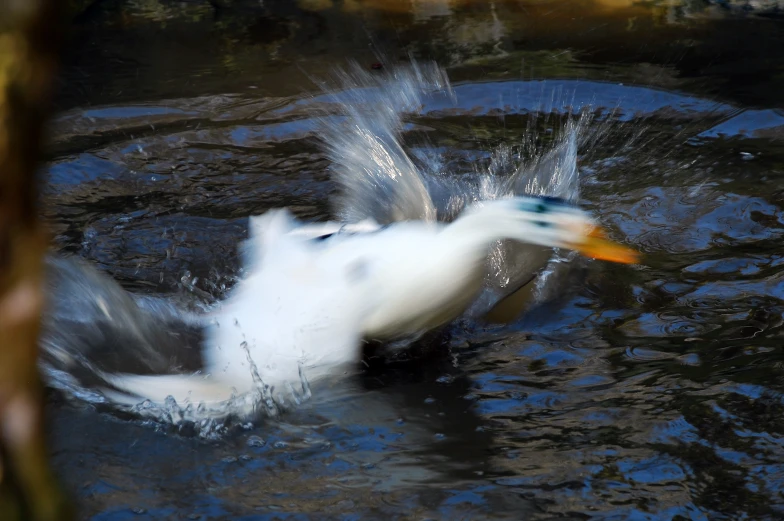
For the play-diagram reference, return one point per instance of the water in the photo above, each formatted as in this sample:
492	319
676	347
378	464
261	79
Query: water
94	328
649	392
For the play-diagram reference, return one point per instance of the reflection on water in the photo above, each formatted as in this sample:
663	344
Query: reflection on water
627	393
195	48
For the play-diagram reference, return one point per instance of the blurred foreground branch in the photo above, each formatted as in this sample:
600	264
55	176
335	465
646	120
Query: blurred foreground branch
29	40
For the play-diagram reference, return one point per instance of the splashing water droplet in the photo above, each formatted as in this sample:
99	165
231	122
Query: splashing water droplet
263	389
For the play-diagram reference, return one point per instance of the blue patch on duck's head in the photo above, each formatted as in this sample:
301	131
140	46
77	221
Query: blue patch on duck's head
556	201
544	204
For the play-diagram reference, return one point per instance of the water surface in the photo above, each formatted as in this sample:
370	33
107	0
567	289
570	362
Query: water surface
651	392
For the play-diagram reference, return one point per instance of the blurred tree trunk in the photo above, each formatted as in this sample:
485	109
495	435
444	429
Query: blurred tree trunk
29	40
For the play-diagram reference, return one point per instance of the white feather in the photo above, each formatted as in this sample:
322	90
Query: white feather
305	305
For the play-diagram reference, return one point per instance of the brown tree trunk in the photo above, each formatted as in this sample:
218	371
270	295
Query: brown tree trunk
29	40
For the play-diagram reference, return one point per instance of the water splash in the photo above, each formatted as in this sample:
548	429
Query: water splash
378	178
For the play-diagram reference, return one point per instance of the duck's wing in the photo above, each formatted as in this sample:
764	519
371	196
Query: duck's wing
295	318
302	308
91	323
264	230
514	303
377	178
522	264
331	228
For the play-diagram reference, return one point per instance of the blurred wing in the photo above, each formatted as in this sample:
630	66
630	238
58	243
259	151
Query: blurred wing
514	304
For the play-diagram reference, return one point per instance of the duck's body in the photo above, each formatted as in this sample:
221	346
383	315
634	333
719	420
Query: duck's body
311	298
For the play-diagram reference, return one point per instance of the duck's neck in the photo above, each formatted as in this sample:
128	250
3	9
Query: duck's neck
478	228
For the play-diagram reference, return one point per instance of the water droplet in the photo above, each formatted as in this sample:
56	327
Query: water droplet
280	444
229	459
642	354
139	510
692	359
438	436
430	400
255	441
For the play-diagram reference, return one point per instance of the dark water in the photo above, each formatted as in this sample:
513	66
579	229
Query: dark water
650	392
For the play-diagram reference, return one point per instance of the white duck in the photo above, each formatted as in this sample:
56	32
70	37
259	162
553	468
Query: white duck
313	293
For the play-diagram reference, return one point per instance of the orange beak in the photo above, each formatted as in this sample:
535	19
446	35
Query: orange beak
597	246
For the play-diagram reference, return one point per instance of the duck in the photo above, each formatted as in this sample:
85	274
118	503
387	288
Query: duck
312	293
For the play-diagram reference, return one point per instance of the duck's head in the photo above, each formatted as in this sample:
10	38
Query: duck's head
558	223
540	220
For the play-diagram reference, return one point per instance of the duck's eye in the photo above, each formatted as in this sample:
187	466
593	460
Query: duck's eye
541	208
